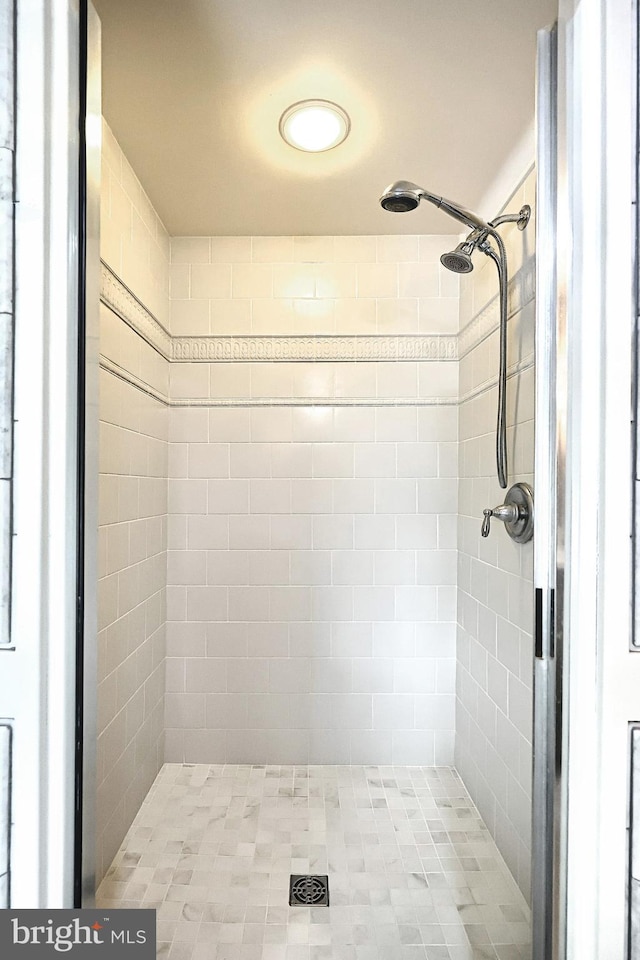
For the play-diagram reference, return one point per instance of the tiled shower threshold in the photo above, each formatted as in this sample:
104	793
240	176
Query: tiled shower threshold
413	871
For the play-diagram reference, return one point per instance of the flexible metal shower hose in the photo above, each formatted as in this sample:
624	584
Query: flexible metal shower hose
500	260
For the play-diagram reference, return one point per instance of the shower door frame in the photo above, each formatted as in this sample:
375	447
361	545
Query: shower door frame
597	678
547	892
85	826
38	675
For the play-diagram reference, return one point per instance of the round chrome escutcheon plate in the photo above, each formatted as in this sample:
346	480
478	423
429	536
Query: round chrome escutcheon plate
520	495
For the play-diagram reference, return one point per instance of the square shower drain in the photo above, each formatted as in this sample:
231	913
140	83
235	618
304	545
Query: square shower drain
305	891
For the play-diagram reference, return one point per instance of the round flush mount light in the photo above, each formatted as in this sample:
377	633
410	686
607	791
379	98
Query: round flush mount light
314	125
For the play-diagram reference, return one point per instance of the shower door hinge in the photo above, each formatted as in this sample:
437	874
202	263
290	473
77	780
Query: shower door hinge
540	624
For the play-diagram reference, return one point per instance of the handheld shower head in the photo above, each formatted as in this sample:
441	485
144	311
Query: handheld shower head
402	196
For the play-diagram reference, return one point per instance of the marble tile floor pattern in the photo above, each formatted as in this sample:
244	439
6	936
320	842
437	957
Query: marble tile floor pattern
413	871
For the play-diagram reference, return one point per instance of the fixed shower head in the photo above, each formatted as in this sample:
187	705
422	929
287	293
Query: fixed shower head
402	196
458	260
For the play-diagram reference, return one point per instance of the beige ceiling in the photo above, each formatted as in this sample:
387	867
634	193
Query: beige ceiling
438	91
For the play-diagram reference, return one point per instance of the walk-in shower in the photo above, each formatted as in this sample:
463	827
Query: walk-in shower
403	196
313	670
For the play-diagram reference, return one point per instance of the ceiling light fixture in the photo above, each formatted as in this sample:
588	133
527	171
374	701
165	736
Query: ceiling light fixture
314	125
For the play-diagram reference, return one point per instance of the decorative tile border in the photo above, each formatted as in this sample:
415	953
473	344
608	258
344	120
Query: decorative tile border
117	296
322	348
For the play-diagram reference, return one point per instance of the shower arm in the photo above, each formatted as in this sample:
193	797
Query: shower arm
522	218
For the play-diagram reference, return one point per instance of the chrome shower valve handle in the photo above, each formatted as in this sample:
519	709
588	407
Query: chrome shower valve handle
507	513
516	513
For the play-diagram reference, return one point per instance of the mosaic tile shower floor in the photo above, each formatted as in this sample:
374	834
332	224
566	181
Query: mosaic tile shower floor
413	872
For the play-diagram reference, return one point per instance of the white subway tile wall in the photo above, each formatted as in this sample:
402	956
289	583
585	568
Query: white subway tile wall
495	591
311	609
311	569
435	380
133	514
131	592
288	286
